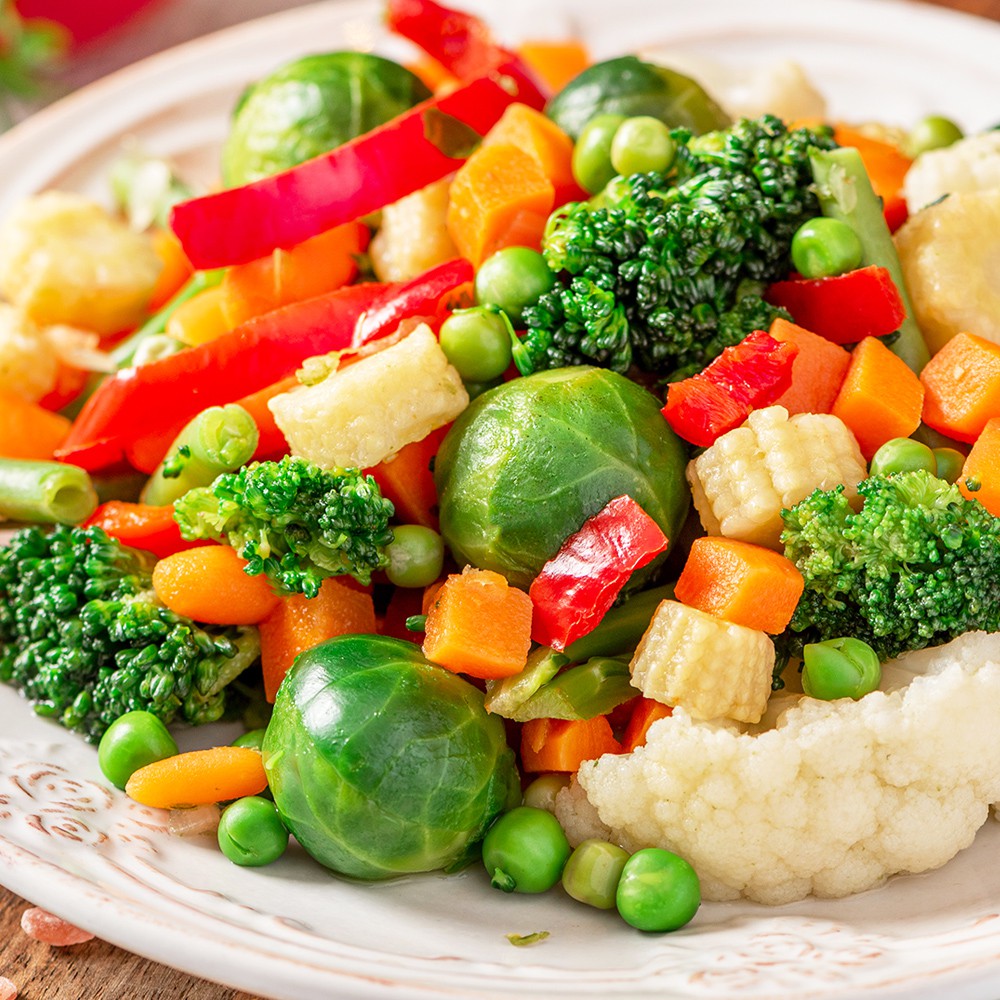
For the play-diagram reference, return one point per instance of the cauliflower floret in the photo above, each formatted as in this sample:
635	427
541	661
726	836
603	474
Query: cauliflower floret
413	236
950	254
28	363
833	800
64	259
971	164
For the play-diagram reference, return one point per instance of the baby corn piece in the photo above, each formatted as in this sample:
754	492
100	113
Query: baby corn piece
741	483
710	667
361	414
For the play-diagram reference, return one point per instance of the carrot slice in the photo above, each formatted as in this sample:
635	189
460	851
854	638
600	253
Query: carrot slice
479	625
500	197
208	584
318	265
644	714
556	62
741	582
980	479
564	744
198	777
175	268
541	138
962	387
818	370
28	430
881	398
406	479
298	624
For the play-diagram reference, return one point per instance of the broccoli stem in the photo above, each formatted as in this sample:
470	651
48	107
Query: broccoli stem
124	354
846	193
219	439
45	492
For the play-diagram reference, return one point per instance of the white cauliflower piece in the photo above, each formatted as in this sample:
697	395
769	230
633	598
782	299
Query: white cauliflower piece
950	255
971	164
832	801
65	259
740	484
413	237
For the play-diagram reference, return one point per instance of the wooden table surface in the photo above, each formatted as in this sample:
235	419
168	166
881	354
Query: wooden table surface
100	971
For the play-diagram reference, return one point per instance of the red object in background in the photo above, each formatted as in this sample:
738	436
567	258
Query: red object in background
84	19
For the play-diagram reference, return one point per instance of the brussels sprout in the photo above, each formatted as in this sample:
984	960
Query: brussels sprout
528	462
382	763
630	87
310	106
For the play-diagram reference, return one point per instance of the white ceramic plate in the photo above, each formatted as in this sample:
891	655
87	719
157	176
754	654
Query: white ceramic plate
292	930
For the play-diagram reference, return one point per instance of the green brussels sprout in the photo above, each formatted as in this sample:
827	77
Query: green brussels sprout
382	763
528	462
630	87
312	105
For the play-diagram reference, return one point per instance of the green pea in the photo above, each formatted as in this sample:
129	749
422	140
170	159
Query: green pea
823	247
902	455
949	463
657	891
477	343
252	739
542	792
512	279
416	556
593	871
591	162
133	740
840	668
642	145
251	833
525	850
932	132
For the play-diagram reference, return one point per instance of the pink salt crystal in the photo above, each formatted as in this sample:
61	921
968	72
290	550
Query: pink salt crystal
50	929
8	991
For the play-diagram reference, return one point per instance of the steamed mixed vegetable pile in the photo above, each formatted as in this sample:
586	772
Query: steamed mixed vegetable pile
547	466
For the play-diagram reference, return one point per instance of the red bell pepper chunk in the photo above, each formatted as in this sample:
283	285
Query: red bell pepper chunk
421	296
149	400
461	42
844	308
750	375
361	176
577	586
142	526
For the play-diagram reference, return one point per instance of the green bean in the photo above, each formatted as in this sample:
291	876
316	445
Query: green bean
45	492
219	439
593	871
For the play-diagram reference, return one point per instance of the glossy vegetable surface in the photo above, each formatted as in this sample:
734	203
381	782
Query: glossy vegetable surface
381	763
311	105
529	461
630	87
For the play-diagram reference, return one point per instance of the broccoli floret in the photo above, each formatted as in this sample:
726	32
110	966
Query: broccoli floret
293	521
670	271
918	565
84	638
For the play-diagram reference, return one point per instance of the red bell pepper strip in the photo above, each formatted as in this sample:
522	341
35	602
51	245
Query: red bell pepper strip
844	308
149	399
361	176
577	586
142	526
421	296
745	377
461	42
